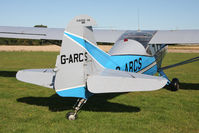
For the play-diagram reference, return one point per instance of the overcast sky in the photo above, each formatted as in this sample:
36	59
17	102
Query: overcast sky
117	14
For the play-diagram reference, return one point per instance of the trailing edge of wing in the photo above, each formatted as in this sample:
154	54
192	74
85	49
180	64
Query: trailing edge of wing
42	77
111	81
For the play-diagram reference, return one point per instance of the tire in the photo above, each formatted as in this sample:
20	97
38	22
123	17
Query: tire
175	84
71	116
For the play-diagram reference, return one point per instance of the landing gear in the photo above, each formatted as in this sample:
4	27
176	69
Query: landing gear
71	116
175	84
77	107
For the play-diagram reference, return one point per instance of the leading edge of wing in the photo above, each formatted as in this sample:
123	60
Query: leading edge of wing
111	81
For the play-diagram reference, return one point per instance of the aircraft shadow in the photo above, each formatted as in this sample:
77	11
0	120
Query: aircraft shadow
186	86
189	86
97	103
8	73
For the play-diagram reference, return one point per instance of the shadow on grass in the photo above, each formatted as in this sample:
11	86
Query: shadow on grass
186	86
8	73
98	103
189	86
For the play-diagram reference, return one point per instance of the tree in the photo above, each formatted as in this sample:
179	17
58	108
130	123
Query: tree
41	26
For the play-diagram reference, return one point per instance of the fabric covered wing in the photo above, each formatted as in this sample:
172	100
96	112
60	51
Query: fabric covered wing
111	81
175	37
31	33
107	36
101	35
42	77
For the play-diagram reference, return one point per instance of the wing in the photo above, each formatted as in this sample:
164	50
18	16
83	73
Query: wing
175	37
107	36
42	77
160	36
111	81
31	33
101	35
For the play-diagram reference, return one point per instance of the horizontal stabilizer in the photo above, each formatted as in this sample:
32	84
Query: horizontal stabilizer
111	81
42	77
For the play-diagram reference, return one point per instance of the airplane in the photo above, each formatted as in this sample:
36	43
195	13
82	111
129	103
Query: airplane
82	69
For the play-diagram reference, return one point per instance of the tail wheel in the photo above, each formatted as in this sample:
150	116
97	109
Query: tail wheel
71	116
175	84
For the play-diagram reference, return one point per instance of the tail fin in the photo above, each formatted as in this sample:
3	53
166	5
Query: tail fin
72	63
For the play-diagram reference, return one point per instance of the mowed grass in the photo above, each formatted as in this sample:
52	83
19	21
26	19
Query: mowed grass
29	108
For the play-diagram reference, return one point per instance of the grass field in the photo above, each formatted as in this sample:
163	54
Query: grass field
30	108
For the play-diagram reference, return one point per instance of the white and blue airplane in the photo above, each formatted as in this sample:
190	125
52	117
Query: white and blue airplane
82	69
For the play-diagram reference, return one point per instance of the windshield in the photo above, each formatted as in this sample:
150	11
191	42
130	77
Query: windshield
142	37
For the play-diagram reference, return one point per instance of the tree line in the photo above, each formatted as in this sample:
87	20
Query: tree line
13	41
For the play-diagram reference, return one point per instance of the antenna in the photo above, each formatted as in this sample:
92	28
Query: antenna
138	15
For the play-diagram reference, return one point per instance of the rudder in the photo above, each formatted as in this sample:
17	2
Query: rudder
70	80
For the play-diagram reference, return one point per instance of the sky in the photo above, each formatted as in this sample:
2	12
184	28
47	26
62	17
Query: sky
115	14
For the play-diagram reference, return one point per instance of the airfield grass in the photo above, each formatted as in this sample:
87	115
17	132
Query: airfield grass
29	108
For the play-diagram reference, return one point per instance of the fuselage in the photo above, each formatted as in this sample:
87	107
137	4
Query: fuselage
133	53
133	63
130	53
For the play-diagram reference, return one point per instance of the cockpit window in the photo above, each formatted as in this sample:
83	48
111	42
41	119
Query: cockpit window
142	37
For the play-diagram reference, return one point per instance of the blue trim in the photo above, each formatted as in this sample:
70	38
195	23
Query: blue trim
125	60
80	92
165	76
99	55
151	71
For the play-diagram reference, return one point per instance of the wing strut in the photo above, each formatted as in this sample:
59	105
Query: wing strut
181	63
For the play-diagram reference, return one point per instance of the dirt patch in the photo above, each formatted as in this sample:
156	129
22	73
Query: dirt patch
183	49
106	48
30	48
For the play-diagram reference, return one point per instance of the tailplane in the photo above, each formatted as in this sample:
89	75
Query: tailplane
73	65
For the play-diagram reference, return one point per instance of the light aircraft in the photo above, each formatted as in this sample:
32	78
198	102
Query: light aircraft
82	69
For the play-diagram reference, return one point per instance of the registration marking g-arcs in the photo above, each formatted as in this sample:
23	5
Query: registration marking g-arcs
74	58
132	66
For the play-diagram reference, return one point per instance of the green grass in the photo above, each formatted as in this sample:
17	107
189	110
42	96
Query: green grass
30	108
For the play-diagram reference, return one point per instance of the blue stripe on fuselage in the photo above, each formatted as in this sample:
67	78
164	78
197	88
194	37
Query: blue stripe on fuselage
99	55
132	63
75	92
151	71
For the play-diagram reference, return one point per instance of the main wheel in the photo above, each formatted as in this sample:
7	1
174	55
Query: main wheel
175	84
71	116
